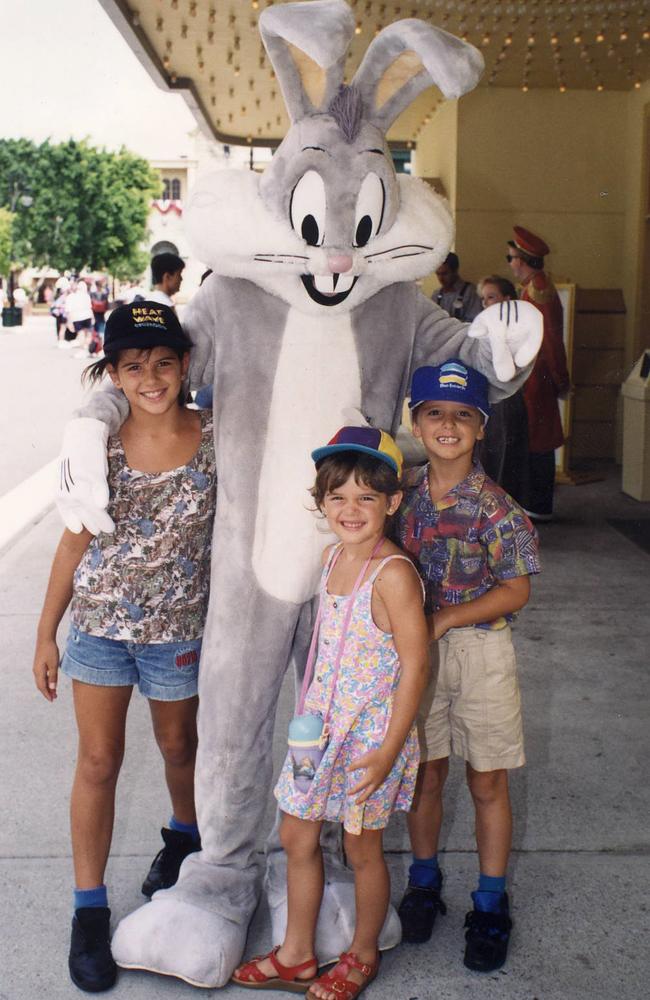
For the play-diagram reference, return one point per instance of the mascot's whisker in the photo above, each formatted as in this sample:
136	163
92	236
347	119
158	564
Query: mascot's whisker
278	258
406	246
396	256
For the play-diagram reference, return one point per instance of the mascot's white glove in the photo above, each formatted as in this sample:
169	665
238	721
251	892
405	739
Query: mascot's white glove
82	490
514	331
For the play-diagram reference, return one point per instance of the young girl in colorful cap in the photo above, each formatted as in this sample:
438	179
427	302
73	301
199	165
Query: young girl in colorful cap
139	598
356	715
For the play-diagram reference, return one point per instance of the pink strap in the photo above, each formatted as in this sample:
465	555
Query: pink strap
311	659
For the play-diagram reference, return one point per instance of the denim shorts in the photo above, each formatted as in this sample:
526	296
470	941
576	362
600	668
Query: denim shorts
164	671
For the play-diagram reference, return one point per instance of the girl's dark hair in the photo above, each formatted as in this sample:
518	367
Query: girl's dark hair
333	471
95	372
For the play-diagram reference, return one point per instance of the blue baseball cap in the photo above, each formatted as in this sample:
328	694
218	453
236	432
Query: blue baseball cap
451	381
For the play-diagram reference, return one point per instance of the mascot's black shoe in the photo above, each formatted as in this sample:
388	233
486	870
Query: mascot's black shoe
418	911
165	866
487	937
90	961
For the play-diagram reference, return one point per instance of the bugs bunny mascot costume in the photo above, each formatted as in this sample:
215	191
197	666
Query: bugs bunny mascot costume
311	310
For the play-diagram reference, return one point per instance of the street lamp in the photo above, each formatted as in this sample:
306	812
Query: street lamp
22	196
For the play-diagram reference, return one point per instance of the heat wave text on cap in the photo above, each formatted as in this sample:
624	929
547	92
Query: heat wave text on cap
145	314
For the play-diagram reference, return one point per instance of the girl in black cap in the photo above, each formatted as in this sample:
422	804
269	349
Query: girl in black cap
138	591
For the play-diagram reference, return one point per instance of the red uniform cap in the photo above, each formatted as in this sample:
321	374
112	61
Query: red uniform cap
528	243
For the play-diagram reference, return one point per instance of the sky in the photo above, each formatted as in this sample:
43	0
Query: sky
65	71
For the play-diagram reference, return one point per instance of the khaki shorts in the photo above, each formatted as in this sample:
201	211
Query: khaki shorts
472	704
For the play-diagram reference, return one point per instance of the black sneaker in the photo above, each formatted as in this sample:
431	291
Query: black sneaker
418	911
164	868
90	961
487	937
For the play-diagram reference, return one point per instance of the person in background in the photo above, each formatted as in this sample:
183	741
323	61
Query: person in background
166	277
58	311
79	312
456	296
99	301
549	379
504	449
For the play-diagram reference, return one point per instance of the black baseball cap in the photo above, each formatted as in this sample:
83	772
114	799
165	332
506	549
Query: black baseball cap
142	325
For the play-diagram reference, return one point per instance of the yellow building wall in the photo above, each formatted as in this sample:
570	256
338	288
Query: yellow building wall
573	167
637	183
570	166
436	155
552	162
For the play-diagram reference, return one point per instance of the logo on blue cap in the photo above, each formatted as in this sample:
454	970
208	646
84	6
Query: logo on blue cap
452	381
453	374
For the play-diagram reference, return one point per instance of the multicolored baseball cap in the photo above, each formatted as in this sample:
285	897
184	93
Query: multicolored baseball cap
368	440
452	381
144	324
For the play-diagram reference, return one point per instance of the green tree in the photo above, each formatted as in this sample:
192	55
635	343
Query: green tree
77	206
6	221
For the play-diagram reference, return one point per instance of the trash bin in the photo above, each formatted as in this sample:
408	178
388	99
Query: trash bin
636	430
12	316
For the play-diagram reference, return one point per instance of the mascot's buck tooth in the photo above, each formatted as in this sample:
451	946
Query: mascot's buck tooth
311	310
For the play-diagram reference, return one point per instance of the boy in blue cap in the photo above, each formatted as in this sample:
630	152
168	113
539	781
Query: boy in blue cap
475	549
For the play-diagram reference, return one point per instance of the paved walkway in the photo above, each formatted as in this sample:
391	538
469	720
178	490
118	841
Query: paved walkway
579	869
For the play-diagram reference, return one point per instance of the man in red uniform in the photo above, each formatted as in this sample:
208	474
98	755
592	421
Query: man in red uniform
549	378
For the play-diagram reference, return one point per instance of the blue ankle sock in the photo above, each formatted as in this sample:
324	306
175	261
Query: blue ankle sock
489	895
190	828
425	873
90	897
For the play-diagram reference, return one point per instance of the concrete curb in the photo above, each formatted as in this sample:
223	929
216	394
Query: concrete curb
25	505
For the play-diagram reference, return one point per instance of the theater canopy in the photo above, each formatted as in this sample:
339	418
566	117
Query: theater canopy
211	52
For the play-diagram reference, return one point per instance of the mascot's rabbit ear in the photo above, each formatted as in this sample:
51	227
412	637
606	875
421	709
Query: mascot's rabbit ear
321	31
406	58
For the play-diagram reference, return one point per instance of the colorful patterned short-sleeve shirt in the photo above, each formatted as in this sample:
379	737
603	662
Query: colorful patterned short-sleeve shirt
467	541
149	581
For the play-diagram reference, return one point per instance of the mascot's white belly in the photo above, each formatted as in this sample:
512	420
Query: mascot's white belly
316	379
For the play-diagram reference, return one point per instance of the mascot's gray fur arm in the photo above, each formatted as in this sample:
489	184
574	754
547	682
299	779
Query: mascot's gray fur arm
311	311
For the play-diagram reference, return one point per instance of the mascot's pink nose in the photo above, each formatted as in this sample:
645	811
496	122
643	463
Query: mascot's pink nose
339	262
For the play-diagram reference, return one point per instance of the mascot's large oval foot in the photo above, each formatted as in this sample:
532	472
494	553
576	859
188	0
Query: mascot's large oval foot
175	938
335	928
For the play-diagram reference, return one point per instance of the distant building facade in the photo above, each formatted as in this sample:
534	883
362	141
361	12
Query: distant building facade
166	232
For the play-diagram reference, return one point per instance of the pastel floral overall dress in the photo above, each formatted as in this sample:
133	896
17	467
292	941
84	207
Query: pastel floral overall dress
359	715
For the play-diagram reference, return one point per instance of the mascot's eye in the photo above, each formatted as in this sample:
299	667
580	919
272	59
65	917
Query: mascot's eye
307	208
370	210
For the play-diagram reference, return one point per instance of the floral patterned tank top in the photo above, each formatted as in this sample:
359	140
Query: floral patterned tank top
149	581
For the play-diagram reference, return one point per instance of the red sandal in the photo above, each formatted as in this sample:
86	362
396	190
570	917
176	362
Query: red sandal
286	979
335	981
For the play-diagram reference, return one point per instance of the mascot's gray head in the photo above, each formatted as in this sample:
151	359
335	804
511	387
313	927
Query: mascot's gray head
337	223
